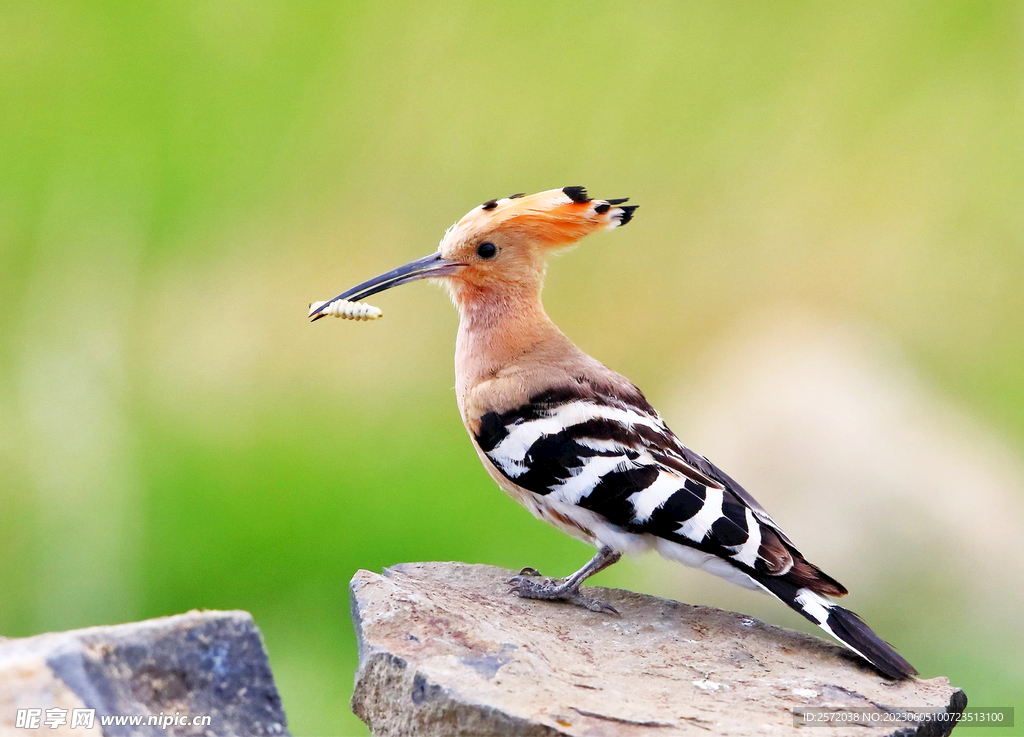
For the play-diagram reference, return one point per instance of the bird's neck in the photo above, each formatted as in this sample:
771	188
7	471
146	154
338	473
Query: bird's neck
499	331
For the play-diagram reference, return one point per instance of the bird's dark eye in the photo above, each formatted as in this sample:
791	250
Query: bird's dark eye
486	250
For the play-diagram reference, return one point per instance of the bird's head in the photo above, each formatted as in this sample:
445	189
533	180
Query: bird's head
497	251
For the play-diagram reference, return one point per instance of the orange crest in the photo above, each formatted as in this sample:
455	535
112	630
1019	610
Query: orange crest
557	217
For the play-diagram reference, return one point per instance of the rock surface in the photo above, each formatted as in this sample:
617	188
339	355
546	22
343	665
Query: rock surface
200	663
444	649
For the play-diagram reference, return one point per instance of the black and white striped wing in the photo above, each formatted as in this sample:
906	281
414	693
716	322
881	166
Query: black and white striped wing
615	457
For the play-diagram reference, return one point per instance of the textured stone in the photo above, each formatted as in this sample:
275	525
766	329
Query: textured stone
200	663
444	649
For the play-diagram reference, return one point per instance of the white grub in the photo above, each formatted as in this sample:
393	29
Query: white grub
347	310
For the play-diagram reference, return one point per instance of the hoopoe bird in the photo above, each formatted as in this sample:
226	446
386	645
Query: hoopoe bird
578	444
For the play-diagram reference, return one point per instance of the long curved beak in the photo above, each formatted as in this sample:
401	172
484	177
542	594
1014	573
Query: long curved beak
422	268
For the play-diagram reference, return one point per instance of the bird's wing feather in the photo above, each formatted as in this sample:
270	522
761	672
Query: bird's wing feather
606	449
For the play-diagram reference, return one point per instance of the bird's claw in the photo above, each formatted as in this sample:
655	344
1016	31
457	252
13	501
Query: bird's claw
594	605
525	572
525	581
550	590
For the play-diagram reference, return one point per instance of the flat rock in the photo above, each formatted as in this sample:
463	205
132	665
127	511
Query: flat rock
445	649
196	664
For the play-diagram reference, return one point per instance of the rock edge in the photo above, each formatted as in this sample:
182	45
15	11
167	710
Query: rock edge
200	663
444	649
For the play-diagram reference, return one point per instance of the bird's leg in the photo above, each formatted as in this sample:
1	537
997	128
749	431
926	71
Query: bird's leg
568	590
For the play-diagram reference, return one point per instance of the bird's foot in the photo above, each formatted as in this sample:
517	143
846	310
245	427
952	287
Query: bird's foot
525	586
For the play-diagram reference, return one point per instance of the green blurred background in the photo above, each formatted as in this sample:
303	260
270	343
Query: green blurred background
178	180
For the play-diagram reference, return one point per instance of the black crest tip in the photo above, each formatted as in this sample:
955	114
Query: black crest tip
627	214
489	205
617	200
576	194
517	195
602	208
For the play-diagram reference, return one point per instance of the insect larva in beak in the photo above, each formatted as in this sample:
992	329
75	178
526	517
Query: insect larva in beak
347	310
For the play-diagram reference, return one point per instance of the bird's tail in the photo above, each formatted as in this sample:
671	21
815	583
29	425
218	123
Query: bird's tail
842	624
